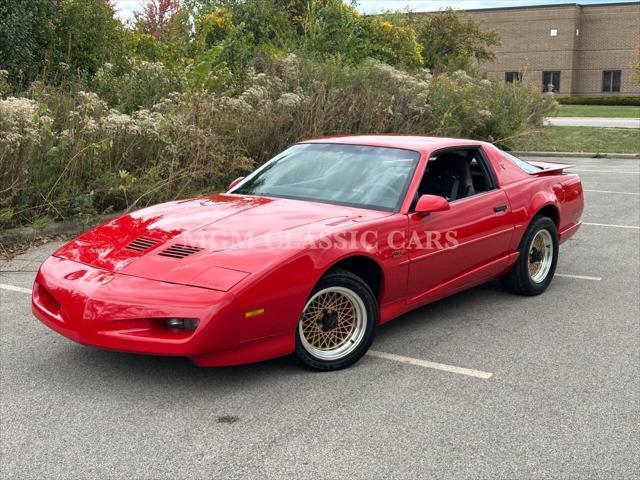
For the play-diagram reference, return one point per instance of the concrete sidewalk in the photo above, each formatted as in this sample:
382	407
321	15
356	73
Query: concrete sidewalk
601	122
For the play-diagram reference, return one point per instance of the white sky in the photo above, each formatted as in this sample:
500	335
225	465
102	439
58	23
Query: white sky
127	7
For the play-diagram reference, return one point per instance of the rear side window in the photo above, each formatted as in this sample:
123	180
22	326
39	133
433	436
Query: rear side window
524	165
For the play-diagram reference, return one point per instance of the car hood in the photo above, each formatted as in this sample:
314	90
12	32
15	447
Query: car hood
210	242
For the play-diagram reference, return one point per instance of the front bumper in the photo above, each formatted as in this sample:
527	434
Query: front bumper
122	312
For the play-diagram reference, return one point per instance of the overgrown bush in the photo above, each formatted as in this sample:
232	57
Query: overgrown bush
140	86
95	159
66	154
98	116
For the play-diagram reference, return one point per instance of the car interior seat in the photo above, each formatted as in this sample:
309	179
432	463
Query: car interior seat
448	176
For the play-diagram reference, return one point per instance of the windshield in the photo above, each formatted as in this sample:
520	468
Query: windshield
353	175
526	166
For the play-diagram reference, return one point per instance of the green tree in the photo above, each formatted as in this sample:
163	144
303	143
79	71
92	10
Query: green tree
267	23
162	32
88	35
333	27
26	28
452	40
156	18
393	44
233	39
297	11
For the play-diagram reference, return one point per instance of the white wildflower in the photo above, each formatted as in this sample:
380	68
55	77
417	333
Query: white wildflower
291	67
148	123
46	120
255	95
90	126
18	123
172	101
91	103
116	122
461	76
239	105
289	100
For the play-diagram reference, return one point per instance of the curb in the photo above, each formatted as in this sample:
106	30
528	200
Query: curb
67	227
600	155
593	122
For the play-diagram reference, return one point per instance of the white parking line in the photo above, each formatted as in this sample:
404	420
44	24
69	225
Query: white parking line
427	364
12	288
634	227
609	191
578	277
387	356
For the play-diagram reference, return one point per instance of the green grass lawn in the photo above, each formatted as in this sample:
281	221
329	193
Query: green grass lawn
583	139
609	111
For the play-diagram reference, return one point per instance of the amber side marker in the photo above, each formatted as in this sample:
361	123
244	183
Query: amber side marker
254	313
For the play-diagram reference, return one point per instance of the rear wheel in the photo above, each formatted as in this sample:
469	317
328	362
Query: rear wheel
338	323
536	265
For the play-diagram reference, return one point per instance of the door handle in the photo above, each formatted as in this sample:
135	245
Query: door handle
500	208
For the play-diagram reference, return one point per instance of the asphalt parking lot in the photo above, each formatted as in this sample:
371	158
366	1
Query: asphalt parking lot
560	397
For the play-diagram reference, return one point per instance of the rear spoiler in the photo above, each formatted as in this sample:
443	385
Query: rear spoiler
548	167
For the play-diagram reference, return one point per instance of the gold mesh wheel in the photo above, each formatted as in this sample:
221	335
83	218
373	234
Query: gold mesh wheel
540	256
333	323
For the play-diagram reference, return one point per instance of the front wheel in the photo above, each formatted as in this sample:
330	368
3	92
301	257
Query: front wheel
338	323
536	265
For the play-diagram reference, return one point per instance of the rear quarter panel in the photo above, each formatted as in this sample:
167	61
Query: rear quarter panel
561	192
528	194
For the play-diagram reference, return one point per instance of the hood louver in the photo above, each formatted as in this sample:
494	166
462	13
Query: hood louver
141	244
179	251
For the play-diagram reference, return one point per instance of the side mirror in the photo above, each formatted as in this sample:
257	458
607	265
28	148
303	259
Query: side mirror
431	203
235	182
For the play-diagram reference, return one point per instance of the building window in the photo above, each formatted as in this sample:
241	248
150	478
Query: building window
611	80
550	81
511	77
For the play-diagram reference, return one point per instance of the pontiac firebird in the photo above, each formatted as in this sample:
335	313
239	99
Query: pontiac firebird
314	250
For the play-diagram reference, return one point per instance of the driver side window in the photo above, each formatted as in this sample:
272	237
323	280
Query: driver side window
457	174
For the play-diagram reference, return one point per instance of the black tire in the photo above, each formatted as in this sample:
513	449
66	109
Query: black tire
518	279
345	280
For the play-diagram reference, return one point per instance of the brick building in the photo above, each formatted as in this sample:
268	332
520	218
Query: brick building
580	49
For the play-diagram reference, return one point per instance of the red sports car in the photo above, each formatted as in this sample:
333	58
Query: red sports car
312	251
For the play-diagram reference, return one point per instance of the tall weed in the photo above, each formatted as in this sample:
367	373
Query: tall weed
66	152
